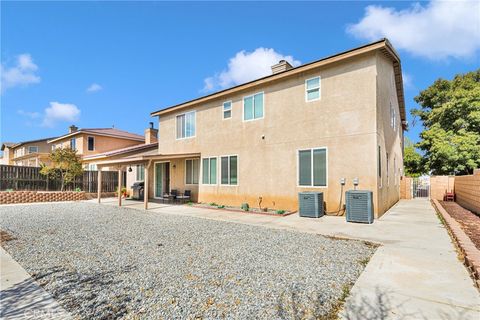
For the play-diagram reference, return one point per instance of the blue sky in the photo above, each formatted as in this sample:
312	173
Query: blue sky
98	64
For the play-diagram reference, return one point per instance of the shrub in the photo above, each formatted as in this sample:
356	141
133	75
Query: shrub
245	207
77	189
213	204
221	206
280	211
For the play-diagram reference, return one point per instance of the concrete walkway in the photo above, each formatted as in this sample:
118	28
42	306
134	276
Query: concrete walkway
415	274
21	297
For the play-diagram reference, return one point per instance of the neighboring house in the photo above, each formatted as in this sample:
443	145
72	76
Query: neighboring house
299	129
95	141
7	153
133	173
27	153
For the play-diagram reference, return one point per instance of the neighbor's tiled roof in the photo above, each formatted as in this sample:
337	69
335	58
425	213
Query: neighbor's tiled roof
112	132
116	152
17	144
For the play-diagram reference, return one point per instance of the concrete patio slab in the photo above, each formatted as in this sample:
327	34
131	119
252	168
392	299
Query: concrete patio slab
415	274
23	298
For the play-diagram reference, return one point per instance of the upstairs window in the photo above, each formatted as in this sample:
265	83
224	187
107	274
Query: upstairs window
209	171
192	168
312	89
73	144
227	110
312	167
140	176
229	170
253	107
32	149
186	125
91	143
393	117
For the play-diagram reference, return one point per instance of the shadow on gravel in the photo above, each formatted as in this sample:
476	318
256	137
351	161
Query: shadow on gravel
81	294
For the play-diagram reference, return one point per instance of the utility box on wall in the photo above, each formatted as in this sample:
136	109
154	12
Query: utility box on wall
310	204
359	205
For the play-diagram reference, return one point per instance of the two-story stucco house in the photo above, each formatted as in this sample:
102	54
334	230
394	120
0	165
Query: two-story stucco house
27	153
89	142
298	129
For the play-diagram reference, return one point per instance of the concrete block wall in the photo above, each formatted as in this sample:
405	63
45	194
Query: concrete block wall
39	196
439	185
405	188
467	191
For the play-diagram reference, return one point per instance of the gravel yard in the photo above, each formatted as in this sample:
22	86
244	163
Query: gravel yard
106	262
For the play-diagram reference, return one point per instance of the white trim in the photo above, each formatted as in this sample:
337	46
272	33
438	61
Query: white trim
311	162
155	178
209	169
185	172
195	124
231	110
319	89
238	170
93	143
243	106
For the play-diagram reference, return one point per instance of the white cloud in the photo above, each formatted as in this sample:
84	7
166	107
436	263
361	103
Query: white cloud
21	74
247	66
28	114
94	87
438	30
60	112
407	80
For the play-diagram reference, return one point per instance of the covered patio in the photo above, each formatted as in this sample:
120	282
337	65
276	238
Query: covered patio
165	175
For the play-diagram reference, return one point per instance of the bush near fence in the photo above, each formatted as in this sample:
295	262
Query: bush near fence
7	197
29	178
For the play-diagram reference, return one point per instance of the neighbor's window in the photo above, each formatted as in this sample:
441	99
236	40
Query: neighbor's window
312	89
229	170
209	171
253	107
388	175
227	110
312	167
186	125
32	149
140	173
73	144
92	167
91	143
192	168
53	147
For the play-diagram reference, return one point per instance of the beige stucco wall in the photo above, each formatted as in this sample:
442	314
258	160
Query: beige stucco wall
23	157
389	140
102	143
344	121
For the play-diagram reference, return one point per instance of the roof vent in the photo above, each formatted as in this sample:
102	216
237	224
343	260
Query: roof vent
281	66
72	128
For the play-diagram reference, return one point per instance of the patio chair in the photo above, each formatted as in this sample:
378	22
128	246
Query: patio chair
174	195
185	197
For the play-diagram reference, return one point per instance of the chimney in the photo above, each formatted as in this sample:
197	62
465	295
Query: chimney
281	66
72	128
151	134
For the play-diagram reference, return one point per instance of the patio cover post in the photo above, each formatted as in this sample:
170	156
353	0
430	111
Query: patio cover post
145	185
99	183
119	186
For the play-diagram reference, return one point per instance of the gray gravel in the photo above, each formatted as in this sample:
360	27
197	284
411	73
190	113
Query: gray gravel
106	262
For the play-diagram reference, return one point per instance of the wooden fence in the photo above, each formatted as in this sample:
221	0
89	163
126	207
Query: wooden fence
29	178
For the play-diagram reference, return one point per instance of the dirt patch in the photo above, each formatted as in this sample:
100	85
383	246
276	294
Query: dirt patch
469	222
5	236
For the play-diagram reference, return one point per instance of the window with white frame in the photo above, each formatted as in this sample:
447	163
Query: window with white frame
312	89
53	147
186	125
312	167
253	107
73	144
229	170
140	173
379	159
92	167
91	143
209	170
192	168
395	170
227	110
32	149
388	174
393	117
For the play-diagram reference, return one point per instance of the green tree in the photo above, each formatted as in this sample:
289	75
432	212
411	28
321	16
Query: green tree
412	160
450	111
64	164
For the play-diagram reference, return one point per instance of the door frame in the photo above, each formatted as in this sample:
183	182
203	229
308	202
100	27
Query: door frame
155	176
